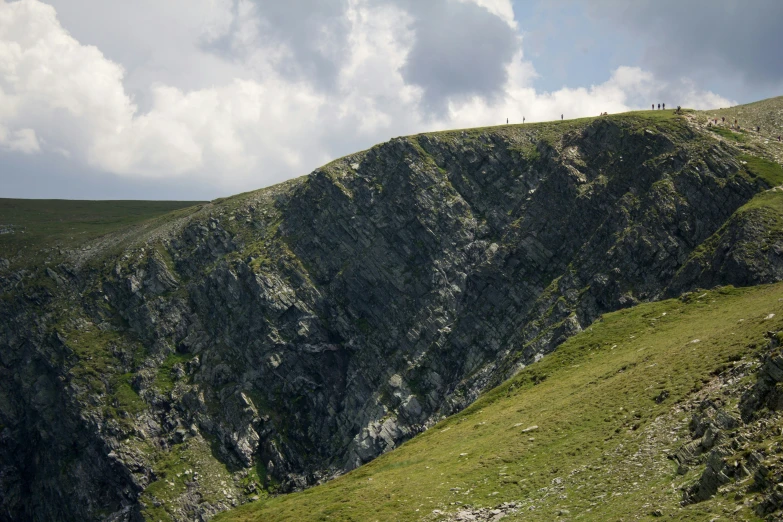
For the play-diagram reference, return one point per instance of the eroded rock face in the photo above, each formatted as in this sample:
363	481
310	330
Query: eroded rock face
726	428
276	339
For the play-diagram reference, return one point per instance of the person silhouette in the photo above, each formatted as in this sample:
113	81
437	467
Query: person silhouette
523	119
561	117
653	106
506	121
664	106
659	106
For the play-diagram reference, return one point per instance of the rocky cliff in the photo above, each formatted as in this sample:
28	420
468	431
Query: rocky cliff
272	340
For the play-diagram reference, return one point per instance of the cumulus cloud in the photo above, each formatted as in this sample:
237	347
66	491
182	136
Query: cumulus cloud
458	52
310	37
51	85
20	140
287	92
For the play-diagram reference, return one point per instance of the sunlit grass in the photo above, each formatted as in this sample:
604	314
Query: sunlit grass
593	397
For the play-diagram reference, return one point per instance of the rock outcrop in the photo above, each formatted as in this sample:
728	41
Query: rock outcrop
735	436
275	339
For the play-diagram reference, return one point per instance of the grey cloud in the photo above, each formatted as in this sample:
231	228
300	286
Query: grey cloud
718	40
315	32
460	49
305	29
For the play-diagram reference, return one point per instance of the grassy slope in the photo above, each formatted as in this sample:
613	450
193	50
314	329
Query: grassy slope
55	223
599	449
766	114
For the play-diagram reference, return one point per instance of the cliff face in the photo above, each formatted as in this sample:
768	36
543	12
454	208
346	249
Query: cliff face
271	340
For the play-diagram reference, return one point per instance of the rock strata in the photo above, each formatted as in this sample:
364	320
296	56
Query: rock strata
273	340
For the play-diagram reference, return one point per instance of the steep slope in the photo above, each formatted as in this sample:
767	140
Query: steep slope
622	422
272	340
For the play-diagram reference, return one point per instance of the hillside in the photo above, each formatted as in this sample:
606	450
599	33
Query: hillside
591	432
33	230
764	115
173	366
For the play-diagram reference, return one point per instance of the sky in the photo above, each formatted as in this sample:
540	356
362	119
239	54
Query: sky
199	99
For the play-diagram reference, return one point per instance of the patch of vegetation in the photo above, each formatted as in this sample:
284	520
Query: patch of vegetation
98	372
126	398
529	152
164	378
770	172
763	213
567	433
180	470
729	134
770	201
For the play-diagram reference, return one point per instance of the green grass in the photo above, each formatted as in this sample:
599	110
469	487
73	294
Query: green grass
769	171
164	379
729	134
127	400
763	213
560	126
764	113
592	402
771	201
189	462
55	223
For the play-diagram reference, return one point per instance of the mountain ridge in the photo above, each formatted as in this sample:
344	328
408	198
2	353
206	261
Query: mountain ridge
301	330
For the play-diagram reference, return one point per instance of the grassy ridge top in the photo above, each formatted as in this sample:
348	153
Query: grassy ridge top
562	126
28	225
580	432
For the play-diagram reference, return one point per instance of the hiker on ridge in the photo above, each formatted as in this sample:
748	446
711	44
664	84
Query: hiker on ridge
664	106
659	106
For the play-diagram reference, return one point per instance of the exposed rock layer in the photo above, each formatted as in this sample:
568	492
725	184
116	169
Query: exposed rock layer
302	330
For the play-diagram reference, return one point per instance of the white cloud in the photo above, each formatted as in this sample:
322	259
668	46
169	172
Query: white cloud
628	88
231	130
20	140
67	93
695	98
500	8
260	126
